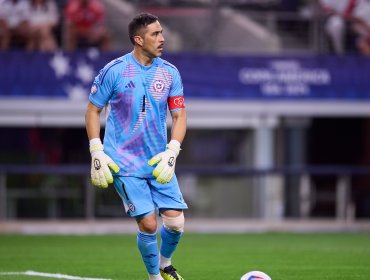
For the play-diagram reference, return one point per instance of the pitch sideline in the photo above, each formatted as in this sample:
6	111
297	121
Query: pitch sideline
51	275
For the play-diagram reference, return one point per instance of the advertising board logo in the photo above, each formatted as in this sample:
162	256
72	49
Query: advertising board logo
285	77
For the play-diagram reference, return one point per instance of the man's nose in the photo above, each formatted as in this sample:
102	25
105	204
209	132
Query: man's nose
161	38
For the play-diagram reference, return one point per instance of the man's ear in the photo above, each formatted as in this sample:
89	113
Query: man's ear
138	40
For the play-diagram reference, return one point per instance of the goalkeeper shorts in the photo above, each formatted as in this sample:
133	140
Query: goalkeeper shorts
145	195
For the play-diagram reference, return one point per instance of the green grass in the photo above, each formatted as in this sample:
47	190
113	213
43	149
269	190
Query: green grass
199	257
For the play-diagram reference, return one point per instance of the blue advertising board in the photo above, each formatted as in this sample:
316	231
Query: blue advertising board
258	78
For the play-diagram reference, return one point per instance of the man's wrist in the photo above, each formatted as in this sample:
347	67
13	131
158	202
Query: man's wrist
95	141
174	145
95	145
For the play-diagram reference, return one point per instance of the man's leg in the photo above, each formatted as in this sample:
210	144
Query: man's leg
4	35
137	199
148	245
171	232
335	27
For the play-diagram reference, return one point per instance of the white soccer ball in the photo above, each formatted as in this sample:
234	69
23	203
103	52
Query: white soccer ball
255	275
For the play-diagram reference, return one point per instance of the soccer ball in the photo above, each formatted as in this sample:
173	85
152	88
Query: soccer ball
255	275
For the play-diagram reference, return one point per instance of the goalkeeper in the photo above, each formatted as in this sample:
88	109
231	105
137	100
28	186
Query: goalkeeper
136	89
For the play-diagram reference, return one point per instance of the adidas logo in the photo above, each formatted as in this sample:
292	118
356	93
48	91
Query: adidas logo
130	85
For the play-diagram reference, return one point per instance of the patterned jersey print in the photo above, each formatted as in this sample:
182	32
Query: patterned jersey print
135	97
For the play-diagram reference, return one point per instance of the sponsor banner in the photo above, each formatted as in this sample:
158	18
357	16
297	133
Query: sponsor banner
273	78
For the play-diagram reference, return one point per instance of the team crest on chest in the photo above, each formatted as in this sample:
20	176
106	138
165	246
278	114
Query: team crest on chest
158	86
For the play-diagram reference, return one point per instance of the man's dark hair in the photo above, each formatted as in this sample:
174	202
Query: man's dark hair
138	22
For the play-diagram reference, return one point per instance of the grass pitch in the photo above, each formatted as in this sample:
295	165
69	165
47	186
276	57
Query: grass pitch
199	256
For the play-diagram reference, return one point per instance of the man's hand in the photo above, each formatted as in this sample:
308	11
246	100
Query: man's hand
166	162
101	164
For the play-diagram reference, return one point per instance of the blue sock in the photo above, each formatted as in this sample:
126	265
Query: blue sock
148	247
169	241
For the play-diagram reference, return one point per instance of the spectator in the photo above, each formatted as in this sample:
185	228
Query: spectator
339	14
43	21
14	25
361	26
85	25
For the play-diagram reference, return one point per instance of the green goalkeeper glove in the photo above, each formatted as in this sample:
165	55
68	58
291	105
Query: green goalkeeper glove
101	164
166	162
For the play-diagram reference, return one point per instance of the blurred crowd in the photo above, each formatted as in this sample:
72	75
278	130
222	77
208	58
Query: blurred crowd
46	25
347	24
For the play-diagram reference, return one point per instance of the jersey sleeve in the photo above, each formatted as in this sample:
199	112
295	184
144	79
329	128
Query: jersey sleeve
176	96
103	87
176	87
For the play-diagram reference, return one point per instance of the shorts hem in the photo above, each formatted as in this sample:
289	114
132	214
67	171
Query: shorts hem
143	213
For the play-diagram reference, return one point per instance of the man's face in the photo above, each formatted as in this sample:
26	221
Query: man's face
153	40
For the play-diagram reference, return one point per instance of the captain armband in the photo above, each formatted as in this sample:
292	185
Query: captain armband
176	102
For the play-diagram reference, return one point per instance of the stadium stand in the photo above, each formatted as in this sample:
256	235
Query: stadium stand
85	25
264	93
14	24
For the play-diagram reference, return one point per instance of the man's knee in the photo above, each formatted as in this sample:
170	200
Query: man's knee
174	223
335	25
148	224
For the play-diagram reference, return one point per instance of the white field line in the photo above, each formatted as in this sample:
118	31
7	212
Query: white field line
51	275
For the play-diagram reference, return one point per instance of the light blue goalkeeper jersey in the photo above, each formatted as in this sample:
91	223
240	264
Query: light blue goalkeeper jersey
136	99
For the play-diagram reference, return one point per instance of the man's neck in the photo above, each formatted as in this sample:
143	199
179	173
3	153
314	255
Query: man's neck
142	58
